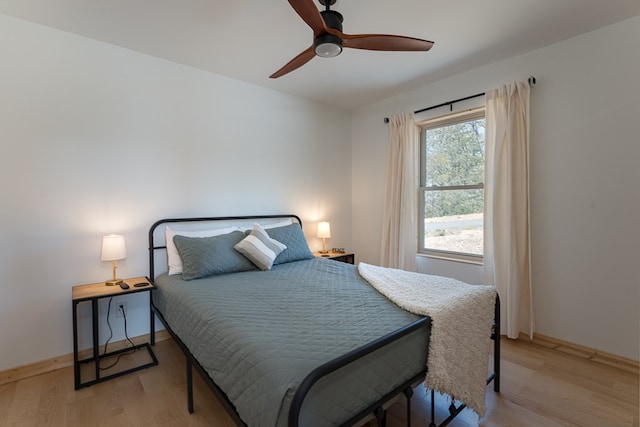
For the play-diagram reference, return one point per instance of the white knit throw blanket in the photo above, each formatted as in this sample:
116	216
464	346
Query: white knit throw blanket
461	321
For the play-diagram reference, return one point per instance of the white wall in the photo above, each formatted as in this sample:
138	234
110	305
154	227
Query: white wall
98	139
585	202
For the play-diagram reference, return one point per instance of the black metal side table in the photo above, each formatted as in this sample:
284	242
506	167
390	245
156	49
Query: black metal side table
93	293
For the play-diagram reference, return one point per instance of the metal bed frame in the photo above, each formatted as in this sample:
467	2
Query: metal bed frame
378	408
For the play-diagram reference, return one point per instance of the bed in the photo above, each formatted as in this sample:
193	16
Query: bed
290	340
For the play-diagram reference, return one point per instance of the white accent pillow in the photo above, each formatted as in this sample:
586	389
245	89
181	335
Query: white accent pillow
282	223
174	262
259	248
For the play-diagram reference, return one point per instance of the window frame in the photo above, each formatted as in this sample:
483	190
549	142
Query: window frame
441	121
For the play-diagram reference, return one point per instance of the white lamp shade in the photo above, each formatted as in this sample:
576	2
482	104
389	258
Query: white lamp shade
324	230
113	248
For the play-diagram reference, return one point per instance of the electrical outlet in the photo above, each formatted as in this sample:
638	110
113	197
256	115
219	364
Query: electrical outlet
119	310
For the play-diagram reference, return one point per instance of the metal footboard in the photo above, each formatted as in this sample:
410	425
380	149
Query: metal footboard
377	408
333	365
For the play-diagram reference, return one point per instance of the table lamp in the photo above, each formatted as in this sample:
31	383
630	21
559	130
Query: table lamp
113	249
324	232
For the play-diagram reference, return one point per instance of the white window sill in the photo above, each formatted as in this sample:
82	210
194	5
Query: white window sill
466	259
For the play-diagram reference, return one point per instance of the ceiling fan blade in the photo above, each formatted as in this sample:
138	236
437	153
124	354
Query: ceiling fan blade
383	42
310	14
295	63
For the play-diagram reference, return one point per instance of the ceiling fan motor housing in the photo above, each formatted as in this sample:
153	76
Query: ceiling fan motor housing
329	45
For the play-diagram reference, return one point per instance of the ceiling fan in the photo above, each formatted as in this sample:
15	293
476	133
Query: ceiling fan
328	38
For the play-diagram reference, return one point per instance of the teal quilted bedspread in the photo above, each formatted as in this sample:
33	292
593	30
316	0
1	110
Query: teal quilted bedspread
259	333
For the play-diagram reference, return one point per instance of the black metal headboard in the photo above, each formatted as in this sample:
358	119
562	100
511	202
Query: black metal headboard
153	247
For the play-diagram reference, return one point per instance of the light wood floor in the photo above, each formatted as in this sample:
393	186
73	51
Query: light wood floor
540	387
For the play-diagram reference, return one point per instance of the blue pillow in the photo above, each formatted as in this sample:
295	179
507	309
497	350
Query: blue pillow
206	256
293	237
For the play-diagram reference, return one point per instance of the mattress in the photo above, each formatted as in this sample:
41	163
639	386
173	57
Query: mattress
258	334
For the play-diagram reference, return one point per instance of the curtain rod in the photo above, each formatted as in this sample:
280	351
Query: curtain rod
531	80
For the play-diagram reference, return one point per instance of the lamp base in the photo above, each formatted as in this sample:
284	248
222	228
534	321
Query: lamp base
113	282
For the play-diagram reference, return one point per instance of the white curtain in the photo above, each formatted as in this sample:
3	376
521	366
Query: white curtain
506	227
399	226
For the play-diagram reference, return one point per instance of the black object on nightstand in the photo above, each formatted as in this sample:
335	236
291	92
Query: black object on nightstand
93	293
346	257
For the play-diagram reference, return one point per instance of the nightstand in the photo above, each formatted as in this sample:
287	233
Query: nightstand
349	258
93	293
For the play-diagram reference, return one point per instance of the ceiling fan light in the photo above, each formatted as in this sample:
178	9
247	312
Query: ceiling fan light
327	46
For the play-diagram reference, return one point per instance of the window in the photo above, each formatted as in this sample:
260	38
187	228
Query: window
452	185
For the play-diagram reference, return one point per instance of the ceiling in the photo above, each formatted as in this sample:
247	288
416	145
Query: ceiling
248	40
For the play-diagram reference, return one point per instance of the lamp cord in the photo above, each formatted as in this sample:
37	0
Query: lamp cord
124	315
